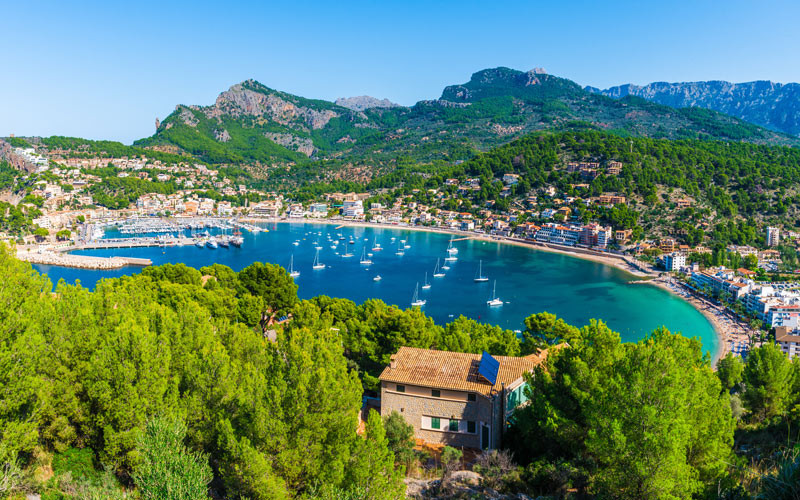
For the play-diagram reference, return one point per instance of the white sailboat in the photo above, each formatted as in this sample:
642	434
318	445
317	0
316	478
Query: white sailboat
376	247
400	251
415	300
292	272
450	248
377	278
347	252
317	264
364	260
494	300
425	284
437	273
480	277
450	258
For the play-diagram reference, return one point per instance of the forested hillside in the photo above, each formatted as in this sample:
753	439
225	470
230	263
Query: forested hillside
180	380
253	124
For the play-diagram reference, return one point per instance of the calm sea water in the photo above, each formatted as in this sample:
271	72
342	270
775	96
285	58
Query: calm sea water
527	280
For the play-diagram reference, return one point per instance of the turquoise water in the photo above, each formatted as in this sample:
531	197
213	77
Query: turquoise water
528	281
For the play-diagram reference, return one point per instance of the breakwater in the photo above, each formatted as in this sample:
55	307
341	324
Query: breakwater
81	261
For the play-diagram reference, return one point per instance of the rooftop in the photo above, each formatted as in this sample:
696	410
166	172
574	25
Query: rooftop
456	371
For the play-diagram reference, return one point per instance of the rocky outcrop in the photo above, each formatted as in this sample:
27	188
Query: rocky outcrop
360	103
300	144
772	105
240	100
188	117
222	135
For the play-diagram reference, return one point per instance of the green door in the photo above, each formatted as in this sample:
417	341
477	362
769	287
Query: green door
484	436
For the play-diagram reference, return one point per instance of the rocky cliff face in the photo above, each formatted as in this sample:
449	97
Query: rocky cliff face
250	98
360	103
772	105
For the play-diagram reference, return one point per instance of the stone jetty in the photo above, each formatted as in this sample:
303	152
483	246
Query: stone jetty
80	261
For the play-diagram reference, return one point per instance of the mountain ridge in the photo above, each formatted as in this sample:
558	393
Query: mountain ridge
765	103
250	123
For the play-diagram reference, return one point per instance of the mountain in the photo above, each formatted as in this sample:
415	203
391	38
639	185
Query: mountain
772	105
251	124
360	103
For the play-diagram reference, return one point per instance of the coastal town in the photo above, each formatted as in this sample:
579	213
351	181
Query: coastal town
744	306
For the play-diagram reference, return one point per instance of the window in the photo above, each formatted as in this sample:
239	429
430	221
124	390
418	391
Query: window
401	388
435	393
471	396
471	426
435	424
453	425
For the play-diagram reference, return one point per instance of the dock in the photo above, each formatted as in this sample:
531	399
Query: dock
133	243
48	258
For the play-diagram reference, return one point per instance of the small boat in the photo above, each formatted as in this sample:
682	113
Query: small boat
377	278
400	251
437	273
224	242
494	300
451	258
445	267
450	248
425	284
480	277
317	264
296	243
199	244
346	251
376	247
364	260
292	272
407	246
415	300
237	241
317	246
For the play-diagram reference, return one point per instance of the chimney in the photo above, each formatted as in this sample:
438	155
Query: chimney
393	362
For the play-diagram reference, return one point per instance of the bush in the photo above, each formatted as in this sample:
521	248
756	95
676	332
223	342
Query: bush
495	467
79	463
169	471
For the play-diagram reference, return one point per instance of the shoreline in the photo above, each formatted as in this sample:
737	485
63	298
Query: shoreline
729	331
617	261
726	330
725	333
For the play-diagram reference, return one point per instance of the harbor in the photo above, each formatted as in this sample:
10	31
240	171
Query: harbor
342	262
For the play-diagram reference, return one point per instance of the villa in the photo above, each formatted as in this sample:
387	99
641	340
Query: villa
454	398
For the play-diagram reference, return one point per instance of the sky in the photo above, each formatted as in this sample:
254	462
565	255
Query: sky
107	70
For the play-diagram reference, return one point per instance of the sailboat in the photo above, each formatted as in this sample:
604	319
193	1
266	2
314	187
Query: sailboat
317	264
364	260
450	248
425	284
415	300
480	277
376	247
400	251
292	272
494	300
437	273
347	251
450	258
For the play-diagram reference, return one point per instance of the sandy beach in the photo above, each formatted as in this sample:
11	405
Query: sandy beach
733	334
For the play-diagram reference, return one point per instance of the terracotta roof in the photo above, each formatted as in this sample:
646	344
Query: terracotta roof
456	371
784	334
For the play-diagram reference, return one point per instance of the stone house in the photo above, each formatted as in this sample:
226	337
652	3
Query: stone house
454	398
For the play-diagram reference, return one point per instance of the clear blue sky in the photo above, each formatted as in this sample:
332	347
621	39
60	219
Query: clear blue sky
106	70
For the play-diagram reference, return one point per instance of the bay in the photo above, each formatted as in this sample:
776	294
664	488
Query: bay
527	280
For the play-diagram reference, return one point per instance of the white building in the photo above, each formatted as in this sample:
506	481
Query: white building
674	261
352	208
773	236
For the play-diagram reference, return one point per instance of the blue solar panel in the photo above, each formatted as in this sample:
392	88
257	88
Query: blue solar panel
488	367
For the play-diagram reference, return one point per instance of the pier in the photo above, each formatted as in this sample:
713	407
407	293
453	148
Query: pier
81	261
155	241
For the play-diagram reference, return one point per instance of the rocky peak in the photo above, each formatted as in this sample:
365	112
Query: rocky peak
360	103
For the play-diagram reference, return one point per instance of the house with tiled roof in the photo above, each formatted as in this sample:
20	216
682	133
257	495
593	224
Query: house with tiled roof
455	398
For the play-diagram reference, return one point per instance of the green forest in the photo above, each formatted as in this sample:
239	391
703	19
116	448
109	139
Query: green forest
179	383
